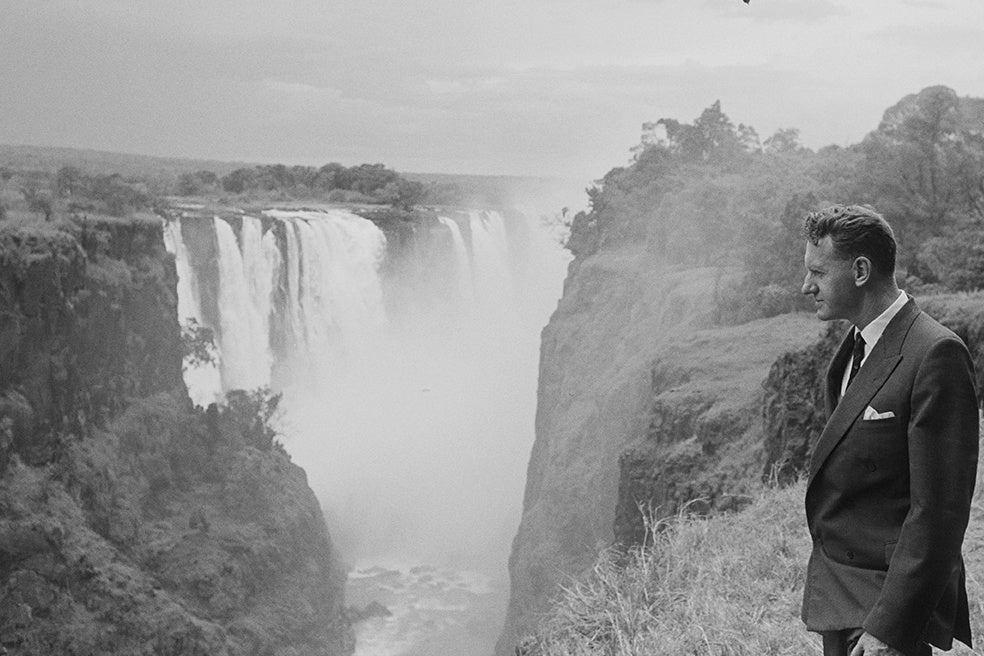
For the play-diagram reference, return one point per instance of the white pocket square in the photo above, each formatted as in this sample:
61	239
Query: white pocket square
870	413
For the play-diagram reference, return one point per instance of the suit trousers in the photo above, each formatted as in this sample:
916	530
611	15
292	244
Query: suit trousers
840	643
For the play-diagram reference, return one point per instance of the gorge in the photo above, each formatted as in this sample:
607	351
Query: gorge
677	370
406	353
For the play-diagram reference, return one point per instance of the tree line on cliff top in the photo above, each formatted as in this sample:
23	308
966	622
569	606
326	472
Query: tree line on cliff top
72	190
713	194
363	183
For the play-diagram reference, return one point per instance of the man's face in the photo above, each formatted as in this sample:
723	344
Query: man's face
830	280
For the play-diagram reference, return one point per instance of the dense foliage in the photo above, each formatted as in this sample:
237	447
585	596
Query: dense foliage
49	194
710	193
364	183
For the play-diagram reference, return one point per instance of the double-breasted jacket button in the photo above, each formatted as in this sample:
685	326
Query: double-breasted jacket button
850	555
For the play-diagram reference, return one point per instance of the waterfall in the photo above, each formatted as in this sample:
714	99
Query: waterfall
202	380
243	346
334	293
261	262
465	285
408	366
490	252
296	341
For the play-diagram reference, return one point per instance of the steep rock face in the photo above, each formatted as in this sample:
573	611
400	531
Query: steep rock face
88	320
643	407
703	446
129	521
594	397
793	413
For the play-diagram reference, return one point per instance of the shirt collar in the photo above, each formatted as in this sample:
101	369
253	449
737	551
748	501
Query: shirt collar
873	331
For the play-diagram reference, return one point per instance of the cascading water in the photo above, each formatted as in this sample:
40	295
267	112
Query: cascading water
203	380
463	270
408	369
490	251
244	348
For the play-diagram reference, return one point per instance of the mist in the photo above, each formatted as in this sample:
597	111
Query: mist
432	425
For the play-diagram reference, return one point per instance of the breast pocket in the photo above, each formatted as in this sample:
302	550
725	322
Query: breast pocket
881	445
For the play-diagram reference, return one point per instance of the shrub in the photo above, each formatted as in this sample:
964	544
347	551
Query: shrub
197	344
252	415
956	259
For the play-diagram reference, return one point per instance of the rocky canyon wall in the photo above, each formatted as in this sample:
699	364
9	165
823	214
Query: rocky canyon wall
130	522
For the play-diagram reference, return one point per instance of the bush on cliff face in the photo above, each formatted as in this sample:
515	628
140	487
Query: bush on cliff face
252	415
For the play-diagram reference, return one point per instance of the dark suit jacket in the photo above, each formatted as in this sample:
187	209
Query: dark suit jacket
888	500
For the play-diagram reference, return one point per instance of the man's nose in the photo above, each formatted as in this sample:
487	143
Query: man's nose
808	287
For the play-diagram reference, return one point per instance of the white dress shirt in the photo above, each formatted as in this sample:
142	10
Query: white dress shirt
872	333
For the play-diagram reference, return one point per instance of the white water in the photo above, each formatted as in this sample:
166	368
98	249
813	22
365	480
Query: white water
203	380
414	429
466	286
336	303
490	251
243	346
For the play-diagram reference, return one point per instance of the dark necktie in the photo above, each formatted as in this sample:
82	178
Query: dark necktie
857	356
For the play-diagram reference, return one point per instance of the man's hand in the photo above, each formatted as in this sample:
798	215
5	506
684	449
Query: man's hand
869	645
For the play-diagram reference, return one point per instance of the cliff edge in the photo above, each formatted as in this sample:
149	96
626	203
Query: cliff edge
131	522
644	407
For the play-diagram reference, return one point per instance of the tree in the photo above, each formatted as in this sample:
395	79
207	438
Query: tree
924	163
117	196
328	176
955	259
37	200
197	343
238	181
253	415
197	183
785	140
69	181
401	193
712	136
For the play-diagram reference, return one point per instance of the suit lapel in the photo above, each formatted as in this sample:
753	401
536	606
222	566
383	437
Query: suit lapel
835	372
883	360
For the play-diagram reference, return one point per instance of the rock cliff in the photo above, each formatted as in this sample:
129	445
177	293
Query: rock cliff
131	522
644	407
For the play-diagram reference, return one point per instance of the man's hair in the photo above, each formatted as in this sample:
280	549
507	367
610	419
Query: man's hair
855	230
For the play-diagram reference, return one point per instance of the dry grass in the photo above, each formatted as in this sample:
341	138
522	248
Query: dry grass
724	585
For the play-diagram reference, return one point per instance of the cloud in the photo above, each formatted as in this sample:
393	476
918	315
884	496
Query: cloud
948	40
510	86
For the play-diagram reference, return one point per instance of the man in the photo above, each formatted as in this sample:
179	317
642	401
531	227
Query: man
892	474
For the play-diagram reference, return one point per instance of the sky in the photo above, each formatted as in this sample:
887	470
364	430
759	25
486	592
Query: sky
523	87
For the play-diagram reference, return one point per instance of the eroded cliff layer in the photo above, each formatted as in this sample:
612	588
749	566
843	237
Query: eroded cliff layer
131	522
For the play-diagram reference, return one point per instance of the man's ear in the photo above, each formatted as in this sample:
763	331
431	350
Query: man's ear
862	270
